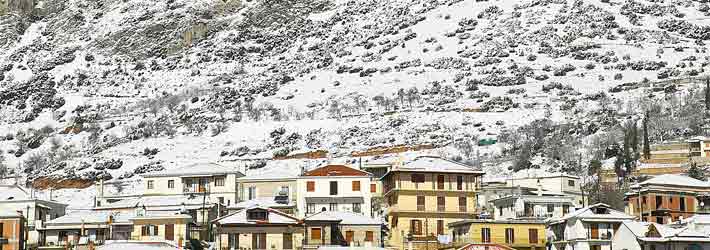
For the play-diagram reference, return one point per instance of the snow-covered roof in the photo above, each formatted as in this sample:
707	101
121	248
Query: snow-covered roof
435	164
90	217
9	214
349	248
200	169
271	174
13	192
666	232
159	201
345	218
675	180
274	217
262	202
592	213
137	245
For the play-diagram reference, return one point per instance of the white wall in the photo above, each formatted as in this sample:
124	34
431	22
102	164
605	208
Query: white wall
322	189
160	186
625	239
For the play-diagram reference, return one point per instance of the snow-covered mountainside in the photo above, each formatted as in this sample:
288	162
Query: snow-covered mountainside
114	88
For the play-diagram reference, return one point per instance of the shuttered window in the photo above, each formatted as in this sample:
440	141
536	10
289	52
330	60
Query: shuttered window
311	186
532	235
356	185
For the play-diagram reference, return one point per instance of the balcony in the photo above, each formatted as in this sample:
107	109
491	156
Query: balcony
199	189
440	208
462	209
421	208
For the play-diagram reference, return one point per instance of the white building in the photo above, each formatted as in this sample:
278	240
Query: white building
558	183
589	228
635	235
14	198
532	207
217	181
334	188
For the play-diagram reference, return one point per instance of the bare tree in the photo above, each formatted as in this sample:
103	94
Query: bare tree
412	96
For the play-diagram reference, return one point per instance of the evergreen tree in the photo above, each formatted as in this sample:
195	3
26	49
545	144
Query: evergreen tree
707	93
646	143
696	172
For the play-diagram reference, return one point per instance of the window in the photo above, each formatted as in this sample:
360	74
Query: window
440	182
310	208
258	240
333	188
221	200
459	182
171	184
532	235
349	236
219	182
418	178
257	215
149	230
682	203
594	231
420	203
1	232
284	190
150	184
570	183
251	193
462	204
509	236
439	227
659	219
485	235
565	209
659	201
287	240
315	233
356	185
357	208
500	211
369	236
310	186
550	208
333	206
373	188
232	241
440	204
415	227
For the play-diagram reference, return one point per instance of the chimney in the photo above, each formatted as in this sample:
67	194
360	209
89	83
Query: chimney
539	188
101	188
51	190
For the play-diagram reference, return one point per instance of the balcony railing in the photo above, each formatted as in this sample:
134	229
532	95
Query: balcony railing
440	208
201	189
421	208
462	209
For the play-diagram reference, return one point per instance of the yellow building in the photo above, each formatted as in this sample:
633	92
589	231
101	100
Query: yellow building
424	195
155	226
518	234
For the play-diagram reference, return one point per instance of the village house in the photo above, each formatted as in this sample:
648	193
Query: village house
425	195
218	182
342	228
334	188
37	210
532	207
12	230
258	228
563	184
589	228
275	189
83	228
494	189
666	198
518	234
635	235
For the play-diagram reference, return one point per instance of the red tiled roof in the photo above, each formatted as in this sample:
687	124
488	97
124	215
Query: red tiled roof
336	170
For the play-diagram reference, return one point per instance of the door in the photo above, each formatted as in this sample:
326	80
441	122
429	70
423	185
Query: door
258	241
349	237
288	241
170	232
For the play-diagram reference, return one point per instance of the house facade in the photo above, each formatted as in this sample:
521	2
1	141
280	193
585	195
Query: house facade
275	189
12	231
426	194
334	188
517	234
588	228
532	207
563	184
259	228
217	181
666	198
635	235
35	209
342	228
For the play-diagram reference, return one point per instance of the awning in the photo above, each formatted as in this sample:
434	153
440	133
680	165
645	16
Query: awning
327	200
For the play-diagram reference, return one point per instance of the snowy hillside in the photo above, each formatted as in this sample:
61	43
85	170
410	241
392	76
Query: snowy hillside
111	89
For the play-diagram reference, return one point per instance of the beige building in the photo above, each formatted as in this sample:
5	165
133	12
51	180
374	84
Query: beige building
155	226
12	231
217	181
36	210
273	189
425	195
258	228
342	228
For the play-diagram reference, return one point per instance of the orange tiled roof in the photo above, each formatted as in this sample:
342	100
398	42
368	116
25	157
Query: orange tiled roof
336	170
